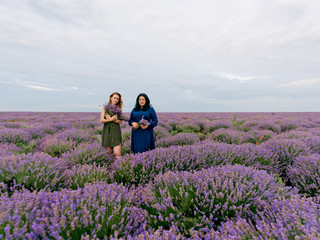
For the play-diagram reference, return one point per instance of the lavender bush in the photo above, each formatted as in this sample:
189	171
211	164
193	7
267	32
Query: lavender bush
179	139
12	125
96	211
258	137
313	143
56	147
286	150
8	149
35	132
267	125
212	126
142	168
87	153
207	198
31	171
76	135
48	129
86	124
160	132
78	176
58	126
16	136
292	218
287	126
226	135
294	134
305	174
173	190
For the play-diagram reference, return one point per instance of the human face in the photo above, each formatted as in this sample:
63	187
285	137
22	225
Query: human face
115	99
142	101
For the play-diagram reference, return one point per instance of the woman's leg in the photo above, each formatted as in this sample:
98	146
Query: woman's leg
109	149
117	151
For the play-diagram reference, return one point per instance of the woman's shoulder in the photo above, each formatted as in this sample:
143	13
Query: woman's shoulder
151	109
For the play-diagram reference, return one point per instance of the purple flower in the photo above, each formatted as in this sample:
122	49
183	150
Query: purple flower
305	174
225	192
61	214
112	109
143	122
179	139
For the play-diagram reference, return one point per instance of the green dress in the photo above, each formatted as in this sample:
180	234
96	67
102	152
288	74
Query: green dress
111	134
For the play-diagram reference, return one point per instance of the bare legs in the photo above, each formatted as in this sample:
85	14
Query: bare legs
115	150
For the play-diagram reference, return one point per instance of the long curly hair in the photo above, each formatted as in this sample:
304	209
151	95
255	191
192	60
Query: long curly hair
146	106
119	104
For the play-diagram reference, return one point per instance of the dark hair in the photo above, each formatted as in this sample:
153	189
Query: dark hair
146	106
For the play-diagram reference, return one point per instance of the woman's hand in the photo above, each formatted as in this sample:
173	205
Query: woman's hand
144	127
111	119
114	118
135	125
107	116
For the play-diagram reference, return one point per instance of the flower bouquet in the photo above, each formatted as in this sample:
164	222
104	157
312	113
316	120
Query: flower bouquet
112	110
143	122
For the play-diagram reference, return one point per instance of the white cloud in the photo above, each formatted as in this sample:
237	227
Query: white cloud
303	83
232	76
40	86
79	106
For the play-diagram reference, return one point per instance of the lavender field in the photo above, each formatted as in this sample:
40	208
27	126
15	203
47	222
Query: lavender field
211	176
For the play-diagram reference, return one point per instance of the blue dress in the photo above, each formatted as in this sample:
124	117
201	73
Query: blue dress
142	140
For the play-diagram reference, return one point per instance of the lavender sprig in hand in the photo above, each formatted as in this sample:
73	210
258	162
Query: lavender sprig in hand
112	110
143	122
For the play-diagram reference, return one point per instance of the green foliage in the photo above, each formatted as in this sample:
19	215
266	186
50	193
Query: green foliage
122	173
56	149
32	175
28	148
126	136
80	175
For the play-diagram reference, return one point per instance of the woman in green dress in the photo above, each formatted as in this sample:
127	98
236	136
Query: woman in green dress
111	132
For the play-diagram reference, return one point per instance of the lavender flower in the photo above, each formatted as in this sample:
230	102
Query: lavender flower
56	147
143	122
112	110
31	171
292	218
313	143
8	149
228	188
142	168
287	150
79	175
179	139
205	199
88	153
75	135
305	174
91	212
16	136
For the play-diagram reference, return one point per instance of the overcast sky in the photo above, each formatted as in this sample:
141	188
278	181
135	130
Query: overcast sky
187	56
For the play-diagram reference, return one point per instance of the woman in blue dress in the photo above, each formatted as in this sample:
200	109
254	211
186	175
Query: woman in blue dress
142	136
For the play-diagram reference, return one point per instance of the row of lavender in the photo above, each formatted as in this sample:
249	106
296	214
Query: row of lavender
56	180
